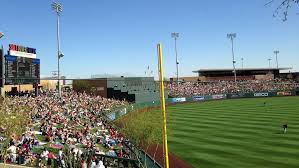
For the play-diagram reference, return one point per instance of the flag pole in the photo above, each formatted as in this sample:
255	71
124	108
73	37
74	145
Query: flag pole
162	105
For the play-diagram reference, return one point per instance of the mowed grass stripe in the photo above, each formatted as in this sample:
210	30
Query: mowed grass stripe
241	115
236	133
253	125
292	136
206	157
232	113
237	158
245	119
286	141
262	109
240	129
250	105
245	144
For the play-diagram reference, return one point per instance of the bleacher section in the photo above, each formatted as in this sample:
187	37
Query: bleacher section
132	89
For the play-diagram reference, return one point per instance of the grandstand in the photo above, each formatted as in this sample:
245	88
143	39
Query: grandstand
290	75
242	74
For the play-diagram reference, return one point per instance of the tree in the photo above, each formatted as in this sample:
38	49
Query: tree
283	7
142	128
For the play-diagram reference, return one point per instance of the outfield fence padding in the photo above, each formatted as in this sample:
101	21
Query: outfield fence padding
133	107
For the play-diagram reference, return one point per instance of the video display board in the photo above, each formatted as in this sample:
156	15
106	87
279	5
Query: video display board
21	70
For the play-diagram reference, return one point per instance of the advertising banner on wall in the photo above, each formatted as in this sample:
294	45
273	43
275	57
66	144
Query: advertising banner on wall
261	94
217	97
177	100
198	98
236	95
284	93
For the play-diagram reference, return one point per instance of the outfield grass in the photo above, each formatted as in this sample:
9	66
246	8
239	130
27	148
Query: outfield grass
239	133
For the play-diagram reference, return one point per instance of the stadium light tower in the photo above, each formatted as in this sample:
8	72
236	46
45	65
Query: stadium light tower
57	7
176	36
276	52
231	36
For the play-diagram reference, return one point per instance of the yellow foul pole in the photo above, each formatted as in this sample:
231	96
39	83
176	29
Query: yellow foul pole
162	105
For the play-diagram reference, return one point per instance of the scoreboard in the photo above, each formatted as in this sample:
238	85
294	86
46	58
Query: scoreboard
21	70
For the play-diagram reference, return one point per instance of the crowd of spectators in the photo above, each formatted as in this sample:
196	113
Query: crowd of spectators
224	87
74	121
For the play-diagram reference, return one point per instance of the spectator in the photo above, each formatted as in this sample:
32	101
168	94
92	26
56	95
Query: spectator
186	89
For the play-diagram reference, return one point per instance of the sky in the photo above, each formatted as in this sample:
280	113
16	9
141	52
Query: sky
121	36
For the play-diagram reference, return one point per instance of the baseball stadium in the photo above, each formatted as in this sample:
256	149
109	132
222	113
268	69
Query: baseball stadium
214	117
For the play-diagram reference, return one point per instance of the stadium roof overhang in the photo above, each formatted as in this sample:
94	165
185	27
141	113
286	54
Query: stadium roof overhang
241	69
